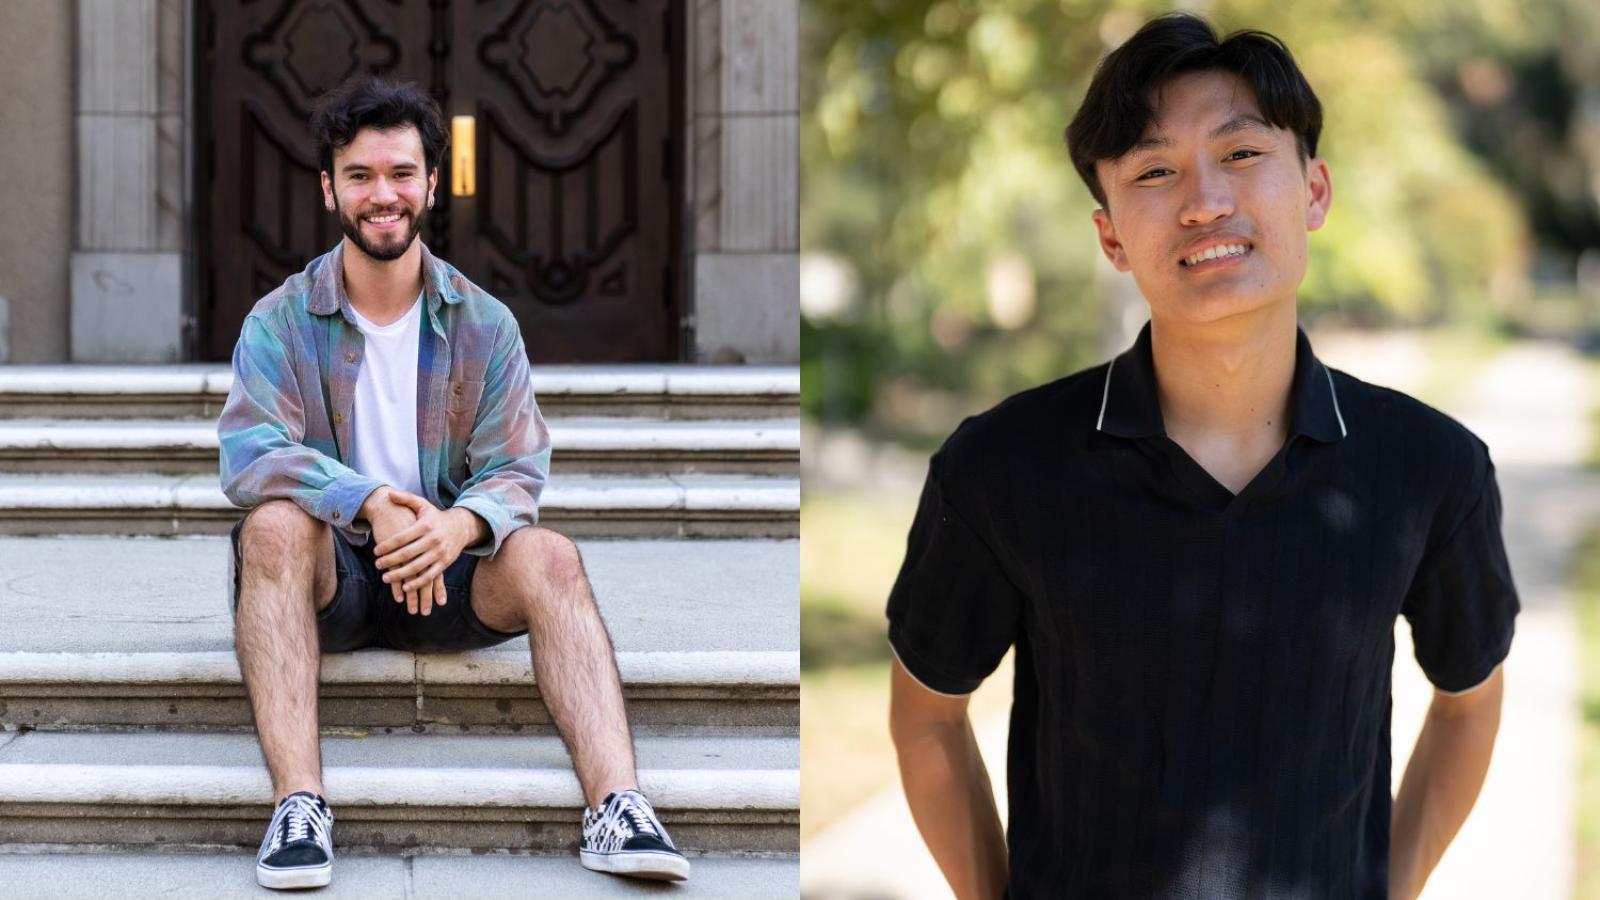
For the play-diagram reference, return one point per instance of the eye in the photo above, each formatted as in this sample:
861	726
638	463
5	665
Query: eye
358	177
1237	152
1152	173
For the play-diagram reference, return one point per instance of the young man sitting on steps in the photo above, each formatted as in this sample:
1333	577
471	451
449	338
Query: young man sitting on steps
382	429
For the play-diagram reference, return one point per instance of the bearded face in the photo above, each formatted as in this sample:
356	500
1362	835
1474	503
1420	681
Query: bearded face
378	191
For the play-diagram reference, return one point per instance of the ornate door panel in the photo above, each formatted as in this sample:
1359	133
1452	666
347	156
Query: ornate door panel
574	221
262	65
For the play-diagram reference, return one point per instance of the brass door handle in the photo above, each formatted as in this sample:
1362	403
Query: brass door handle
463	156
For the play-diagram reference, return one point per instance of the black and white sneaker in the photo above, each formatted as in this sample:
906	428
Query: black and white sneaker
298	849
623	836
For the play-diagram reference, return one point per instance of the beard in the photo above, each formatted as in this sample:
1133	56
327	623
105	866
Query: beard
387	247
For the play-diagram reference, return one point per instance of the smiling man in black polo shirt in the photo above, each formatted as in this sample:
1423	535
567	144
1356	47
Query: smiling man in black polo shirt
1200	548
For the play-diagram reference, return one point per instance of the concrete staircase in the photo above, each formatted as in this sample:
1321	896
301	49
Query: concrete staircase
126	756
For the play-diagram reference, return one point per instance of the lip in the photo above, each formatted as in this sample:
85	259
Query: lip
1214	240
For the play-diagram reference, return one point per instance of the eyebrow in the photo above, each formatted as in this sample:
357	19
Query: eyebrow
362	167
1241	122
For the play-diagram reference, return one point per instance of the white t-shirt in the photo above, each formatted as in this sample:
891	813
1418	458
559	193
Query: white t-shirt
385	426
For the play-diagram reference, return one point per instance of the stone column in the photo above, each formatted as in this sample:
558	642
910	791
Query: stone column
744	179
127	264
36	219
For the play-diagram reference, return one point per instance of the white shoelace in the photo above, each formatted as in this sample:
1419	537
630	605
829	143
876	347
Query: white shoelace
626	816
640	821
300	818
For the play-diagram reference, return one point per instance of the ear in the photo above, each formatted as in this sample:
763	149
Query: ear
1110	245
433	183
327	191
1319	190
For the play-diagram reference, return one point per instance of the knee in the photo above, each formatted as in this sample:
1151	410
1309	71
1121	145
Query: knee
550	557
278	534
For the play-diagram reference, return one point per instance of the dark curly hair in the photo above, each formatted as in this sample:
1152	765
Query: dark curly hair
368	101
1116	109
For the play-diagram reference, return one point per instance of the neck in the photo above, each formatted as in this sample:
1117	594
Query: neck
382	290
1226	379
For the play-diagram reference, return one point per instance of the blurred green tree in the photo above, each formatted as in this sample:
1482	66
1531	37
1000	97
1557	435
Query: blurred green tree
936	181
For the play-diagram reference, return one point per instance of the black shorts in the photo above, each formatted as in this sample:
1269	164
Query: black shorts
364	612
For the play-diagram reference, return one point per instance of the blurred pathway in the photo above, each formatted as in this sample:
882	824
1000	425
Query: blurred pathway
1530	405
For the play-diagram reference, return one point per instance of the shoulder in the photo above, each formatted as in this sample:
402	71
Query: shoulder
1436	455
1047	416
485	338
285	309
1392	418
473	305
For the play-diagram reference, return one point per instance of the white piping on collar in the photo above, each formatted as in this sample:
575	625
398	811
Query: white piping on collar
1336	412
1105	394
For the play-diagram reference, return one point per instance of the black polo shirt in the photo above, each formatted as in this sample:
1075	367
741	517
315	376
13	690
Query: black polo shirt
1202	691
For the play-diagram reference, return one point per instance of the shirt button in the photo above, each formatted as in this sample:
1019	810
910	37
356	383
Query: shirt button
456	388
336	514
350	357
338	418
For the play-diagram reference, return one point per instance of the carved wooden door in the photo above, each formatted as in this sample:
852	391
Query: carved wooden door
574	222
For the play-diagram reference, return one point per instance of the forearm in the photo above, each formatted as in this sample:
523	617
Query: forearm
321	485
947	788
265	451
1440	786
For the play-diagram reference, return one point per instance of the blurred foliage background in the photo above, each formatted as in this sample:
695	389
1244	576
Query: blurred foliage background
948	258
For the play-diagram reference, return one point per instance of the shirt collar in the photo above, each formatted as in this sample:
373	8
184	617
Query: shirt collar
1129	406
439	282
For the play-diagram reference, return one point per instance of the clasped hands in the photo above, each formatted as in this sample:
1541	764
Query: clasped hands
414	542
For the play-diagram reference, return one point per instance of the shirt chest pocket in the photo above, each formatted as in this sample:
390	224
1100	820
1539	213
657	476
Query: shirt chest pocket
463	397
461	410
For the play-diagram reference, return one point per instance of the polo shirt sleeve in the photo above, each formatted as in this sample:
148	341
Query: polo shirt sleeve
953	611
1462	603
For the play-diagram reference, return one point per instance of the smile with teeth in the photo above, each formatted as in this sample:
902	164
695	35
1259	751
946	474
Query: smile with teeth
384	220
1219	251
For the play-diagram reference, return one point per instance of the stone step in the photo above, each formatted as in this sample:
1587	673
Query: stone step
583	445
135	633
27	873
715	792
576	505
199	390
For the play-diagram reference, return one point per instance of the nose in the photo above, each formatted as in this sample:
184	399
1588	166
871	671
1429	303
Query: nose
383	192
1209	197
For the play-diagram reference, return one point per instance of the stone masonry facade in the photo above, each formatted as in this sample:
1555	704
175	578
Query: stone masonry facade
105	140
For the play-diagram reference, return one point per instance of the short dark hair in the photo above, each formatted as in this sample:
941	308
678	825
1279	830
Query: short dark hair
368	101
1116	109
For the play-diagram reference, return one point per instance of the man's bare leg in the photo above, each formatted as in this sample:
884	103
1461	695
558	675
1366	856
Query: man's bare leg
286	560
536	581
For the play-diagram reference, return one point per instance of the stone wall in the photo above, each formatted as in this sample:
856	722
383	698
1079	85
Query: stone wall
127	268
36	152
744	179
95	250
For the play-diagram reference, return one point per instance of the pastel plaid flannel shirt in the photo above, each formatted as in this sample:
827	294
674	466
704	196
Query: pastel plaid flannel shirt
285	430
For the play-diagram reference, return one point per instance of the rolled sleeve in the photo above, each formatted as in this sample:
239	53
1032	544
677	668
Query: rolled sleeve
953	610
1462	604
508	454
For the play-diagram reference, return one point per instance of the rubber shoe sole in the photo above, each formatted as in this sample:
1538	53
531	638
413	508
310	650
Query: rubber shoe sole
299	877
637	864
